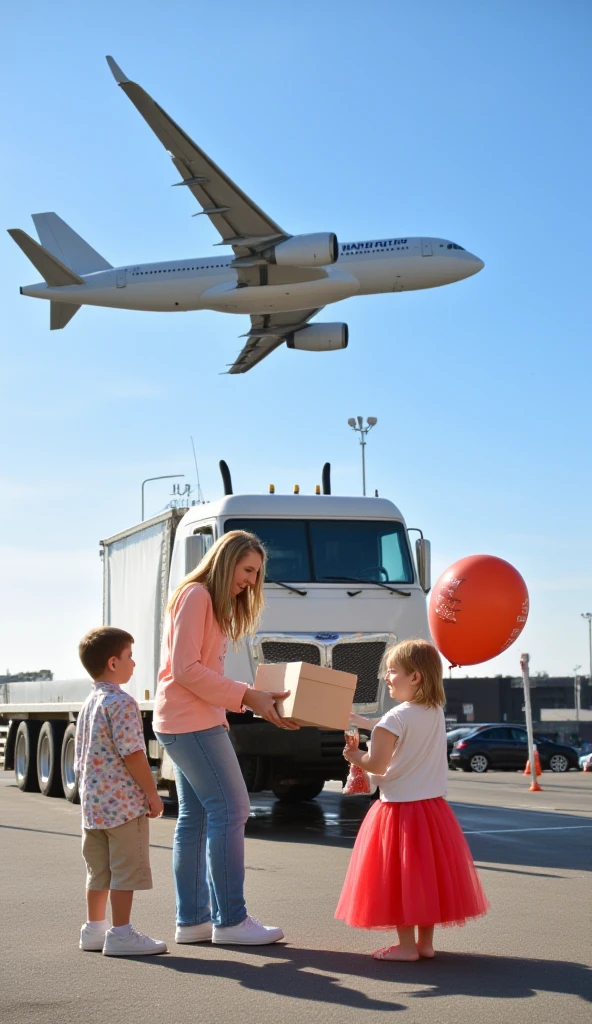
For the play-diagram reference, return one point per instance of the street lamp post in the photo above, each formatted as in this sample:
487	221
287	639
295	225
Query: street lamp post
588	616
169	476
577	694
357	424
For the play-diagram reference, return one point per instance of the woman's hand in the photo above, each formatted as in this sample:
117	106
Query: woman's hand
262	702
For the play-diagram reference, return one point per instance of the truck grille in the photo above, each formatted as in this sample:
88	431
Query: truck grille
362	658
364	661
275	653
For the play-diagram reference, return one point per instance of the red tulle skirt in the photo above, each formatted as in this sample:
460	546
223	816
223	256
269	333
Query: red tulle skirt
411	865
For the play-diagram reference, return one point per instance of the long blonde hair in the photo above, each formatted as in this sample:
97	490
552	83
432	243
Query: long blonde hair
236	616
422	657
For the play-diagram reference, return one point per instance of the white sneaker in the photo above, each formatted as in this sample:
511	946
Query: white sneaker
194	932
249	932
132	944
92	938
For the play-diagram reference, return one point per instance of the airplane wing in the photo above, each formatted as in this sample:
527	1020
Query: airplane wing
239	221
268	331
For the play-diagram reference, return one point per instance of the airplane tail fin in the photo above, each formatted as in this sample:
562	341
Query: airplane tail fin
52	270
59	239
60	314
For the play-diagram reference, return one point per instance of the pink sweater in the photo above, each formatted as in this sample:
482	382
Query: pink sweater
192	690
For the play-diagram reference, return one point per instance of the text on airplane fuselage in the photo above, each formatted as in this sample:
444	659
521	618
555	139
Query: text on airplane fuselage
385	244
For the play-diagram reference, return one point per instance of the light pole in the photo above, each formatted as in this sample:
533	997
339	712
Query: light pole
576	694
357	424
169	476
588	616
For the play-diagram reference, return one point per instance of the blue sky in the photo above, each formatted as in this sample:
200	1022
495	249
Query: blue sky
461	120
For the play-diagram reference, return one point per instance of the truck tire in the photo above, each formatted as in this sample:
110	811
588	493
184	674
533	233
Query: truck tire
25	757
292	792
69	780
49	752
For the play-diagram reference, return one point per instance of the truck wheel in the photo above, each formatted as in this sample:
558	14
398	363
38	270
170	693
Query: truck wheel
25	761
49	749
69	780
292	792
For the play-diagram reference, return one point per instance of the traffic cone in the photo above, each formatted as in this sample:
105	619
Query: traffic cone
538	771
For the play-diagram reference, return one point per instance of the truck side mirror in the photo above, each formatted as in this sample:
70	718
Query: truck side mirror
195	548
423	557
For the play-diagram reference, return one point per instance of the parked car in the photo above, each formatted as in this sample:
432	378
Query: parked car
506	746
458	733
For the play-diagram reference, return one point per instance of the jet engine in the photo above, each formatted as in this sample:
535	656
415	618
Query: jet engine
319	338
316	250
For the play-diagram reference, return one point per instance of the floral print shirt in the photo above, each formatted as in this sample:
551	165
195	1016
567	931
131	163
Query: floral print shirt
109	728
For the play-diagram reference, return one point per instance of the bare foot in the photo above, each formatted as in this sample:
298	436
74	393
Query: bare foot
396	953
426	951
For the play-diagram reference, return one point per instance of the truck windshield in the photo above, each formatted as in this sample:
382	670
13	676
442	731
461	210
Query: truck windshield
314	551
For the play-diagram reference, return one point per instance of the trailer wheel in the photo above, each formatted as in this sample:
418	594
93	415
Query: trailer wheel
25	760
69	780
292	792
49	750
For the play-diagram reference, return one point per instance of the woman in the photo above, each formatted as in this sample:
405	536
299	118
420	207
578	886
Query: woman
219	601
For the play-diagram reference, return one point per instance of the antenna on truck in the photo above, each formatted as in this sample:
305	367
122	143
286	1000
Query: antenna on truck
226	478
327	478
199	490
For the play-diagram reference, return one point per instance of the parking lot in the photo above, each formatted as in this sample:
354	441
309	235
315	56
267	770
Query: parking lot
529	959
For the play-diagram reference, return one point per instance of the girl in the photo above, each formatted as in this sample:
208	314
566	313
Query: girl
411	866
220	600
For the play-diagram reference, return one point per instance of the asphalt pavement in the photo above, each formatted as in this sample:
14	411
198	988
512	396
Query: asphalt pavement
528	960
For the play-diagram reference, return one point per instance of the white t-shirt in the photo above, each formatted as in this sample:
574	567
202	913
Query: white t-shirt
418	769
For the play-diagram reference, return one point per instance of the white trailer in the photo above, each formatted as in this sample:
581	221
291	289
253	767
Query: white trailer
341	584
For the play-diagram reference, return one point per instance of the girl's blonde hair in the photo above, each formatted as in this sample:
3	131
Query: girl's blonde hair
422	657
236	616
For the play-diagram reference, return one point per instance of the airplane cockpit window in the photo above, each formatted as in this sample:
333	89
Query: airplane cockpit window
452	245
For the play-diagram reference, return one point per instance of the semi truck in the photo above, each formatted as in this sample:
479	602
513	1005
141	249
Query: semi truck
345	578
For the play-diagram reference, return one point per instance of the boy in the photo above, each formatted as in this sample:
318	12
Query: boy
118	795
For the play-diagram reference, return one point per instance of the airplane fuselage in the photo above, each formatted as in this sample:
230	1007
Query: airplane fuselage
363	268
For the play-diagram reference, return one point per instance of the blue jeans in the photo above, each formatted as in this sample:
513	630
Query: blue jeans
209	844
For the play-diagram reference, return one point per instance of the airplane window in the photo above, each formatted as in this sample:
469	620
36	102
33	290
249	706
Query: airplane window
451	245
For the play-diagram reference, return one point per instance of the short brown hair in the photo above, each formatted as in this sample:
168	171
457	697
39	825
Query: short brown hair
419	656
99	645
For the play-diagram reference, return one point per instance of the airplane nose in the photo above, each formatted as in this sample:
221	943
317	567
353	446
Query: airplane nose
474	264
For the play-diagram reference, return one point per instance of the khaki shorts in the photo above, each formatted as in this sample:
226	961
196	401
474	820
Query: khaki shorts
118	858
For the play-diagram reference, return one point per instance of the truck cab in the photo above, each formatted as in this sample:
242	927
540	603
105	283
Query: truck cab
341	582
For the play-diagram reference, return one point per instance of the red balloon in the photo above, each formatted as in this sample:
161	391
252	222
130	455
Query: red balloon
478	608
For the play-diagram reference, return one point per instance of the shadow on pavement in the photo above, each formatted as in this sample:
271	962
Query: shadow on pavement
450	974
287	979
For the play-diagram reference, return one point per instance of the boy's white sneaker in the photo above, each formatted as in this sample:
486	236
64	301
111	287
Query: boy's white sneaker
92	938
132	944
249	932
194	932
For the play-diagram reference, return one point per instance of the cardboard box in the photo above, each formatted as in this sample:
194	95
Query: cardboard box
322	697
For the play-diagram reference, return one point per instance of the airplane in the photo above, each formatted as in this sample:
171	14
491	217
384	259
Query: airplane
280	280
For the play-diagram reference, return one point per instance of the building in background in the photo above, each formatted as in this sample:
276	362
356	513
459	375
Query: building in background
501	699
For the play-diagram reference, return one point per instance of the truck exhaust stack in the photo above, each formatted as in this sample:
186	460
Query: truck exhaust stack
327	478
226	478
